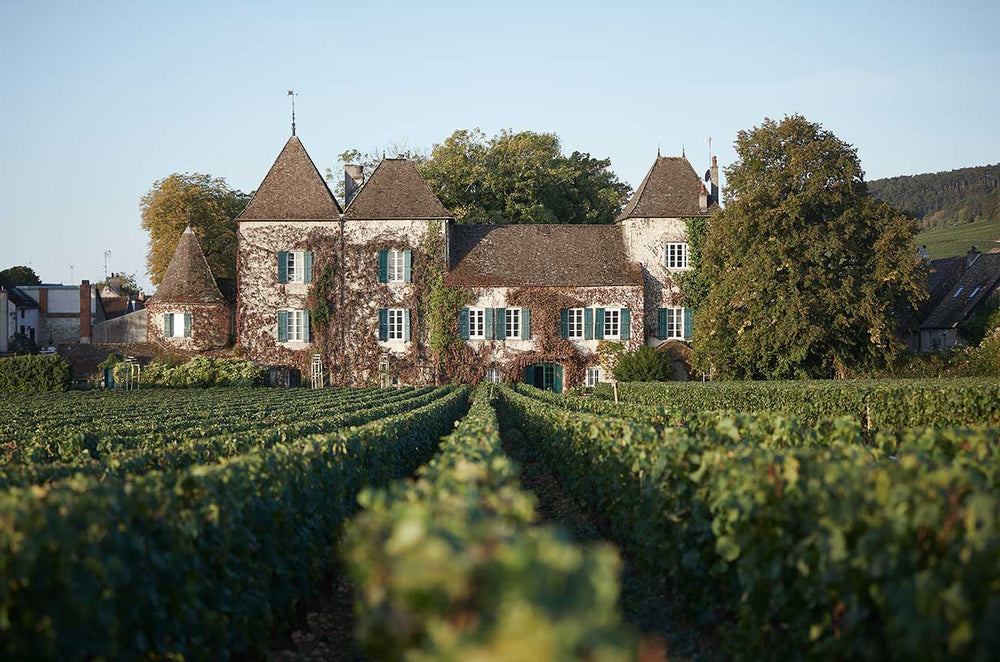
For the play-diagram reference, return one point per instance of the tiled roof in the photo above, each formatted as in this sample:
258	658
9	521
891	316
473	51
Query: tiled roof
395	191
293	190
542	255
954	305
188	278
670	189
114	306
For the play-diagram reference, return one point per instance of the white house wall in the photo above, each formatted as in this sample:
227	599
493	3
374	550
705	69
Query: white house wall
645	240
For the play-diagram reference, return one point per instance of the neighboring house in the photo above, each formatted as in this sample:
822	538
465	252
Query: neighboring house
116	301
18	314
189	311
62	313
958	286
534	300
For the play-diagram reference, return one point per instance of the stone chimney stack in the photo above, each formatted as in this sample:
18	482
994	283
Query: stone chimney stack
715	181
354	177
703	199
85	312
971	256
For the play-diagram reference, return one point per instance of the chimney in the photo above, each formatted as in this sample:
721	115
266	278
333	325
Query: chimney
715	181
115	284
85	312
43	300
971	257
354	177
703	199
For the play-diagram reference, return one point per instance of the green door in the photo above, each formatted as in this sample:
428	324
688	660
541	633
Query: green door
546	376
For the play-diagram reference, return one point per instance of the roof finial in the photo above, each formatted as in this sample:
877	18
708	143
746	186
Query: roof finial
291	93
657	149
683	153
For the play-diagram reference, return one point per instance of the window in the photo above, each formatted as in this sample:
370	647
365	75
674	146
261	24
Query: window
575	329
397	324
513	323
974	292
675	322
296	267
677	255
958	291
593	376
612	323
493	375
177	325
296	324
477	323
397	266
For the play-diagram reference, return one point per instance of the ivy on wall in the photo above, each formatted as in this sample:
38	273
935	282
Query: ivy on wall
693	287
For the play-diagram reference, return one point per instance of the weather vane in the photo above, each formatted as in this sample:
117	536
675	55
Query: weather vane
292	94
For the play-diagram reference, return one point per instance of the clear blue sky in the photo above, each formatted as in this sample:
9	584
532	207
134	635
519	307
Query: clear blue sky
99	100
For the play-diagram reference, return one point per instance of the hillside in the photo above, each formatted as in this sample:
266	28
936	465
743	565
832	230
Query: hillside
956	240
945	199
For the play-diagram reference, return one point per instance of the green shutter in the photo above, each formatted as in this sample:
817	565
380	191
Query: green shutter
307	271
408	266
463	323
688	324
588	323
625	325
168	325
305	325
557	379
383	266
406	325
529	375
526	324
661	324
564	322
488	321
187	325
283	267
383	324
599	323
282	326
500	316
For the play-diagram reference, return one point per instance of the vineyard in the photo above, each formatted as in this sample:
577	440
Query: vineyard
805	520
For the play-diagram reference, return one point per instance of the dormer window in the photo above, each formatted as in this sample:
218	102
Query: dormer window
676	255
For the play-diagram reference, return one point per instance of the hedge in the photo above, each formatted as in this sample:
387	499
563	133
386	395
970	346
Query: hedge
37	373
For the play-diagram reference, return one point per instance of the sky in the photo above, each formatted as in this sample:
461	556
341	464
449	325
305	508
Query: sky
100	100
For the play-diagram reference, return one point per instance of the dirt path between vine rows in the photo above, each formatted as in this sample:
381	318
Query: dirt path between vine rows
646	601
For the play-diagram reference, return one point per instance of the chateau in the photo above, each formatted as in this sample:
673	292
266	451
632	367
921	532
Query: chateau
388	287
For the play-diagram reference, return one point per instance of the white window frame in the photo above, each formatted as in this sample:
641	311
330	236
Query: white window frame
178	325
477	324
676	255
574	327
974	292
958	291
396	320
675	323
295	269
593	376
612	330
396	271
493	375
296	330
512	323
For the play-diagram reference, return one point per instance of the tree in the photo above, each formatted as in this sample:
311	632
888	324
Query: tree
645	364
806	271
128	285
510	178
205	203
21	275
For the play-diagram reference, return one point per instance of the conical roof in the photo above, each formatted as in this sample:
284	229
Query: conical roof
293	190
188	278
670	190
395	191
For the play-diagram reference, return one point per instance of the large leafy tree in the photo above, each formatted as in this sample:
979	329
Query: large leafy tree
510	178
205	203
21	275
806	271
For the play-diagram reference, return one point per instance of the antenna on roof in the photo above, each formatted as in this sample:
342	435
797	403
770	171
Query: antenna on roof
292	94
107	254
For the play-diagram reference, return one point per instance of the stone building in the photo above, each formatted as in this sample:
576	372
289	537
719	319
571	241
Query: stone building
189	310
391	289
959	287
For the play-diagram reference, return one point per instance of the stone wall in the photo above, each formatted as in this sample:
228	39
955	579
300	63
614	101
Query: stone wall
129	328
645	240
209	325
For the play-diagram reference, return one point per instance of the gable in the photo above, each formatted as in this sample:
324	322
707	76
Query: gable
395	191
671	189
293	190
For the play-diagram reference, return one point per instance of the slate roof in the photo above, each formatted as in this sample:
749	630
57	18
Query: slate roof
951	305
293	190
16	296
539	255
670	189
395	191
188	278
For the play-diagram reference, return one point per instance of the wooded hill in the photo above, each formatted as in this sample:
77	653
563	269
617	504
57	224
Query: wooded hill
945	199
